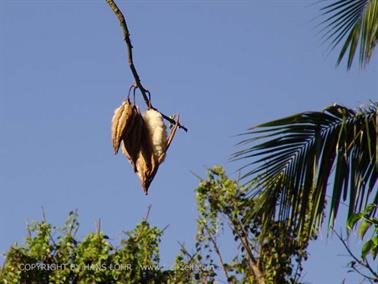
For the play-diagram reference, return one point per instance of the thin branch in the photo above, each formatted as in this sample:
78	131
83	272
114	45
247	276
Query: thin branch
98	227
44	220
172	134
217	251
376	133
363	264
126	34
28	230
364	276
145	93
197	176
253	263
148	213
191	257
184	250
243	236
43	214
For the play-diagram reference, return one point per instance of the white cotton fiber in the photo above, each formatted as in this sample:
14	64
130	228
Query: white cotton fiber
157	131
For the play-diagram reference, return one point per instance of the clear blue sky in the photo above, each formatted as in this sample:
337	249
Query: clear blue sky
224	65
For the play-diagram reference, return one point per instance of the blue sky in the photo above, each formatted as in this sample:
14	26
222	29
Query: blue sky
224	65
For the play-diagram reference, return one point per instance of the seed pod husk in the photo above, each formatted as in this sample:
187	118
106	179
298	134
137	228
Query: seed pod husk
131	143
143	140
145	163
153	147
122	122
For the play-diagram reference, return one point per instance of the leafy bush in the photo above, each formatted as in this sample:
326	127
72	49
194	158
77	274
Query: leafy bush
55	254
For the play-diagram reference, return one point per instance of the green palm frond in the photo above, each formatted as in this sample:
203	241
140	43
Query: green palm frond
355	22
291	160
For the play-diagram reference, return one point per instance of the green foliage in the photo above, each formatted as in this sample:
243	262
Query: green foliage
274	257
55	254
65	259
290	161
355	22
367	222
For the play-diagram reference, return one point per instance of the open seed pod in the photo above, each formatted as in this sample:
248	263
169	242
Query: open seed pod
157	132
132	141
146	163
122	122
143	139
154	145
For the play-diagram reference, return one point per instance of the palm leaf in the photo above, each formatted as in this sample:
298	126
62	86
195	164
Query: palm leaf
290	162
355	22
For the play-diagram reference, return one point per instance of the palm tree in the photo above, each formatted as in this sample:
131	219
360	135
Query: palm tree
291	162
356	23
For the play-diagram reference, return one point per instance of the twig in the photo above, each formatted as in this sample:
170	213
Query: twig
29	233
179	125
184	250
217	251
43	214
376	133
145	93
253	263
245	242
197	176
364	276
191	257
363	264
44	220
171	136
126	34
98	226
164	229
148	213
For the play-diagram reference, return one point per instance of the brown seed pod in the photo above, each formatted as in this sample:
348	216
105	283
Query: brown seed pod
143	140
145	163
122	122
154	145
131	143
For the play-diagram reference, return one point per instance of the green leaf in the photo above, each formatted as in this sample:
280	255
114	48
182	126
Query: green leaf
289	164
374	249
352	220
366	248
365	225
356	21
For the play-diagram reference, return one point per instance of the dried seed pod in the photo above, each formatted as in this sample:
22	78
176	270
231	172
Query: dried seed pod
122	122
154	144
153	147
145	165
146	162
143	140
131	143
157	132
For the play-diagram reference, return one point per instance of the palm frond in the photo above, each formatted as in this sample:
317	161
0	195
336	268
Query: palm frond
290	162
355	22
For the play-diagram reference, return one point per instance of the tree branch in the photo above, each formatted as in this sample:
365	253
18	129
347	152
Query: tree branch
217	251
363	264
145	93
148	213
253	263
